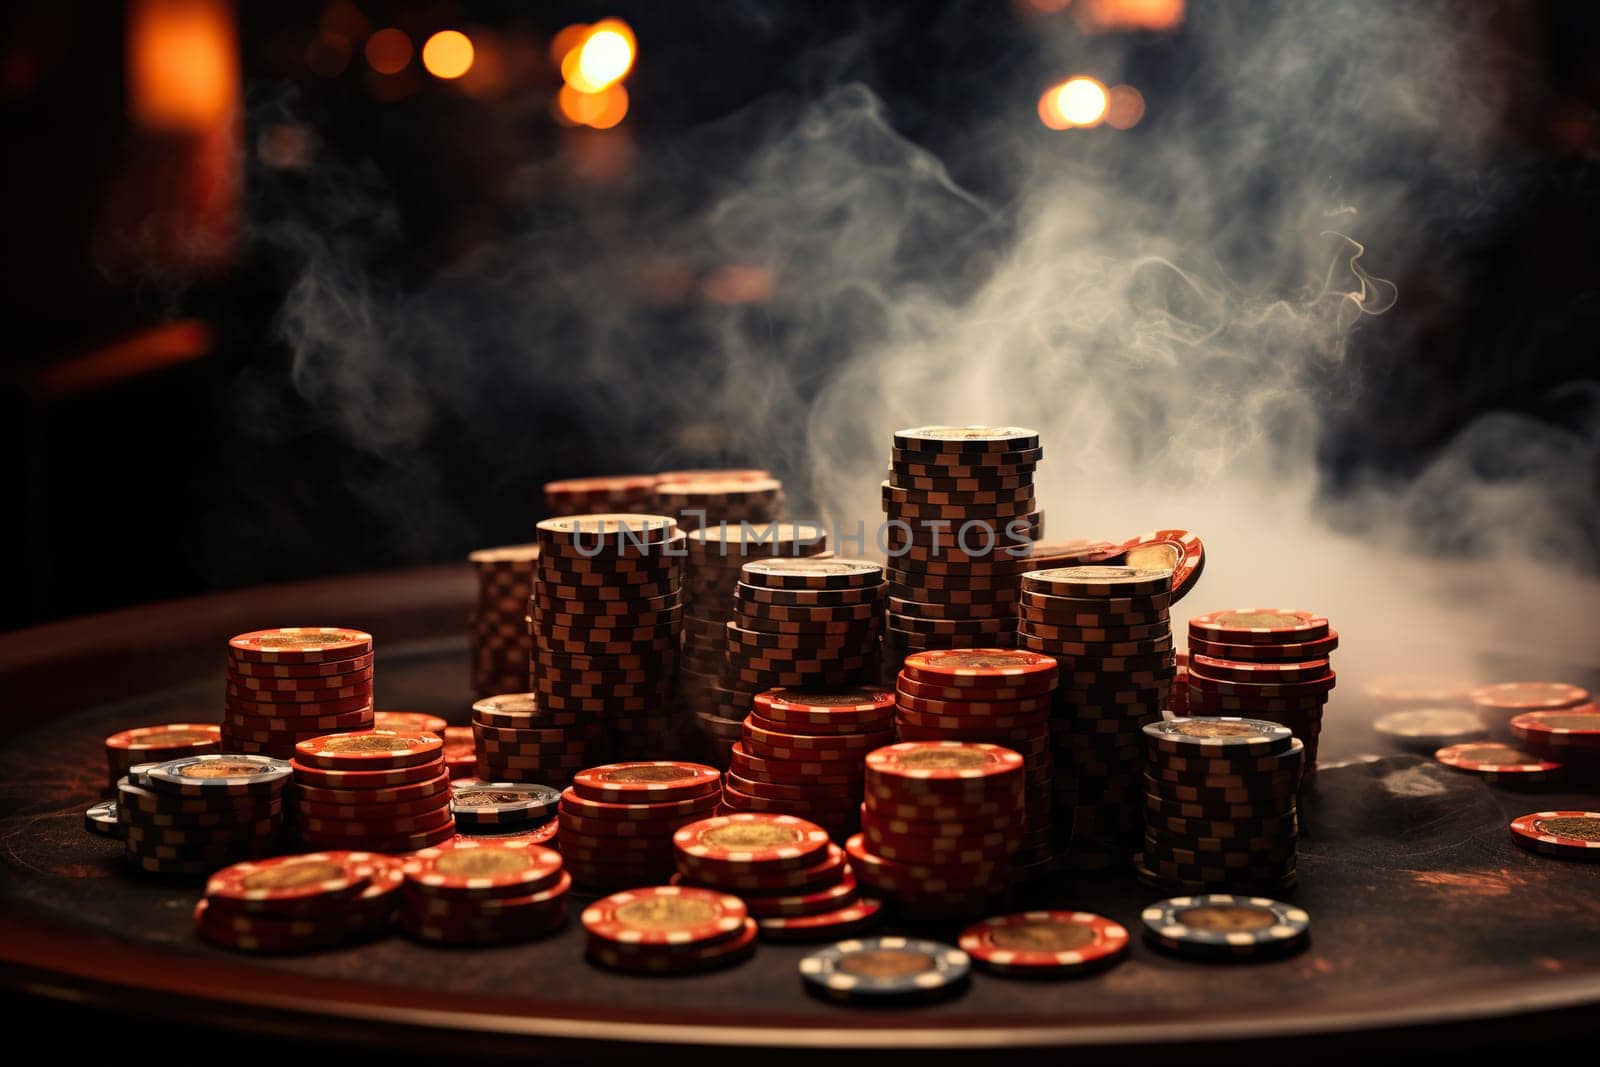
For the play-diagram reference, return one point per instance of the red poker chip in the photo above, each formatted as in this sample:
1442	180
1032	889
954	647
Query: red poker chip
1259	626
615	811
1298	652
168	741
243	668
835	745
1568	834
656	780
1529	696
826	871
860	915
859	710
818	772
1492	757
739	796
944	767
749	840
438	785
536	906
676	916
247	705
656	960
769	905
1258	673
1045	942
1576	728
902	879
384	821
483	868
271	688
980	667
576	826
906	686
295	884
977	709
300	644
409	721
370	750
1316	684
417	807
1178	551
272	934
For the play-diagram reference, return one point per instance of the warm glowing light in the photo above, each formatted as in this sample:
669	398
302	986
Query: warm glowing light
1050	110
567	41
388	51
1131	14
183	63
601	110
613	108
603	56
448	54
1081	101
1125	108
738	283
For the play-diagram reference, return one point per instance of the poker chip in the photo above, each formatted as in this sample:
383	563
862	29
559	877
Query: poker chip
191	816
655	780
1567	834
1573	730
294	885
1222	734
647	959
1045	943
749	840
1498	763
608	842
1221	925
370	750
1259	626
1528	696
484	892
853	918
101	819
612	493
1178	551
156	744
1428	729
477	803
498	639
300	644
665	916
885	970
217	775
474	868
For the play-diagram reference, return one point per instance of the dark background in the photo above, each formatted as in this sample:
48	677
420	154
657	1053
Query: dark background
159	446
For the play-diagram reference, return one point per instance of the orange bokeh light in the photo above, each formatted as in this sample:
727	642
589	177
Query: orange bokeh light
1078	102
601	110
1131	14
1126	107
388	51
448	54
599	55
183	63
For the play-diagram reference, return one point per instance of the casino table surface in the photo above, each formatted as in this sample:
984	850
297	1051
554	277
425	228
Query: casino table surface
1430	928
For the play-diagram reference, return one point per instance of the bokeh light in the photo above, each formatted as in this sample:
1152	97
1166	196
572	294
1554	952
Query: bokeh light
388	51
1125	107
1082	101
1153	15
448	54
605	58
601	110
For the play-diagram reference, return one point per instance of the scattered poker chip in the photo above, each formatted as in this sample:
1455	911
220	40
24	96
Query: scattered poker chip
474	802
370	750
1259	626
408	721
657	780
170	741
1529	696
665	915
1428	729
101	819
1178	551
772	842
1575	729
1233	737
300	644
1221	925
1568	834
886	970
1498	763
1045	943
218	775
853	918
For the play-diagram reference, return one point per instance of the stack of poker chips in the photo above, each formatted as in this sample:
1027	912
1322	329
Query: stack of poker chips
158	744
606	617
498	629
380	791
300	903
715	555
1498	704
1267	663
484	807
961	511
1222	927
939	827
1178	697
286	685
517	740
1220	804
1108	629
668	930
191	816
819	738
707	501
476	892
617	821
794	881
997	695
804	623
589	496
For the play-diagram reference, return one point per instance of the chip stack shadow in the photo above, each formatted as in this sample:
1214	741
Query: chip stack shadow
606	617
961	512
715	555
498	628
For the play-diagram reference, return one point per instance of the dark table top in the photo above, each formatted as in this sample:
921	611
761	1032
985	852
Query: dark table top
1423	913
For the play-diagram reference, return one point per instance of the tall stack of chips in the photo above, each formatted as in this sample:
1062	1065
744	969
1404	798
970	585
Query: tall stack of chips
1108	628
300	903
194	815
484	892
939	827
606	617
793	880
812	746
620	493
379	791
1267	663
997	695
707	498
715	555
286	685
498	628
961	513
158	744
1220	804
518	741
617	821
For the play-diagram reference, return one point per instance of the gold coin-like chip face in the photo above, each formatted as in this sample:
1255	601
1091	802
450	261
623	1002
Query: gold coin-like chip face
648	773
1582	828
954	758
1254	620
1157	557
887	963
169	738
512	703
1570	722
1212	728
1042	936
483	798
221	768
976	658
751	836
1227	918
1500	755
293	875
483	862
839	698
375	741
667	912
